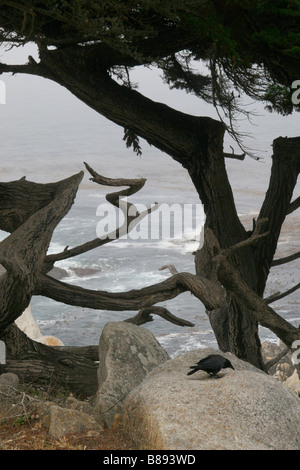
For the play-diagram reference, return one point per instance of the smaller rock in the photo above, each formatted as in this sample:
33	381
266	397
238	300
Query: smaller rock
293	382
42	412
84	272
9	379
26	322
83	406
284	368
65	421
127	354
58	273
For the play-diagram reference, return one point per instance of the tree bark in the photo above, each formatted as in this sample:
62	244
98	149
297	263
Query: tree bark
22	253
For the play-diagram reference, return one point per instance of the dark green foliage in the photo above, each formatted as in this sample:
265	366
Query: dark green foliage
280	99
252	46
132	140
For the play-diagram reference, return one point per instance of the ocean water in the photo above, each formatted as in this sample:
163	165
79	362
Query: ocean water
46	134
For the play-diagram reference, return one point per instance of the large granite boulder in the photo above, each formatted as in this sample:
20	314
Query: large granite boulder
127	353
243	409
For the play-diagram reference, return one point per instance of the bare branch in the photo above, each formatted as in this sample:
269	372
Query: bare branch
252	240
276	359
131	215
246	297
22	253
21	199
144	316
171	268
235	156
294	205
31	68
278	295
210	293
287	259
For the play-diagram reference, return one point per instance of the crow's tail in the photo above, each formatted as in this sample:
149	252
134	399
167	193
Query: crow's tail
195	368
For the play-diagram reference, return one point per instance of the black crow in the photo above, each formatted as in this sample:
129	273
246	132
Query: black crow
211	364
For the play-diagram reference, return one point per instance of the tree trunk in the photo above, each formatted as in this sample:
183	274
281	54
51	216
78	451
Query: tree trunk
211	181
74	370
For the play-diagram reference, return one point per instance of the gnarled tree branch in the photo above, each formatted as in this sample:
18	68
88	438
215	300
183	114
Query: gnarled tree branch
145	315
210	293
131	215
250	300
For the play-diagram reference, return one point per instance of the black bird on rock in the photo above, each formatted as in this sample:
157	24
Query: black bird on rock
211	364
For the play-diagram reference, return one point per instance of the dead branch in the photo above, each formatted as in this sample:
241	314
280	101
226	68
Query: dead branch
280	295
235	155
22	253
35	362
171	268
131	215
144	316
247	298
286	259
210	293
251	241
294	205
21	199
